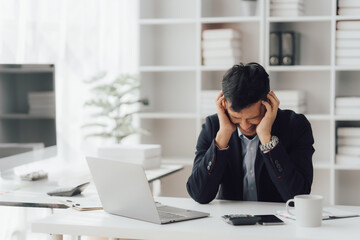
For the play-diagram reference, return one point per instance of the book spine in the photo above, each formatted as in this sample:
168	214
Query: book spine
215	44
287	1
290	95
351	52
348	25
347	43
348	132
347	34
347	102
345	159
349	11
221	34
348	61
229	52
221	61
347	111
348	3
348	150
348	141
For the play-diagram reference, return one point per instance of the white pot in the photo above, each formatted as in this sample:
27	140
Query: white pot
248	8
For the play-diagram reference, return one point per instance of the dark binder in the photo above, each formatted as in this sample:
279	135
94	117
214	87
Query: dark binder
275	48
288	48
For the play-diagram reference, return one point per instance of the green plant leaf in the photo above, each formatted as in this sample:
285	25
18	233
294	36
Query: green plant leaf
104	89
97	77
109	99
103	135
101	103
93	125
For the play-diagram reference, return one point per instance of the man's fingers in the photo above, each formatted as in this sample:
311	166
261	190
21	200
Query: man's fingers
220	103
223	102
274	95
274	100
267	105
219	96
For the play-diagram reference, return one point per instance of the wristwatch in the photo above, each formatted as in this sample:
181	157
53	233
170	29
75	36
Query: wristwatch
270	145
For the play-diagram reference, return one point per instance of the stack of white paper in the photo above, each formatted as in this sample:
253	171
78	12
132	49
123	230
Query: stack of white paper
348	7
347	105
221	47
348	42
208	99
148	155
292	99
41	103
286	8
9	149
348	142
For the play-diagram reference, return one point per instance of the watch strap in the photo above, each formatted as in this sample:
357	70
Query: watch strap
270	145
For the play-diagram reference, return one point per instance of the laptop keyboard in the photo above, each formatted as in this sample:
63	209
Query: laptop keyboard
169	216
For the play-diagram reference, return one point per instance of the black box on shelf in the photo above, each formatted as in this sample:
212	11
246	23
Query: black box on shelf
284	48
275	50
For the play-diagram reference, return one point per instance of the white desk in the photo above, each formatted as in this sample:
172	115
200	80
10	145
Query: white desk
100	223
33	193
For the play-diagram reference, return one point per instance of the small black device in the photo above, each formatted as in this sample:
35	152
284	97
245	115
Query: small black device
241	219
269	220
69	191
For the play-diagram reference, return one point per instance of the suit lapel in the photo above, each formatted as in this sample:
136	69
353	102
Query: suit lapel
259	165
238	161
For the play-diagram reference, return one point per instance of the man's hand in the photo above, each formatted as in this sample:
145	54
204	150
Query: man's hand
263	130
226	126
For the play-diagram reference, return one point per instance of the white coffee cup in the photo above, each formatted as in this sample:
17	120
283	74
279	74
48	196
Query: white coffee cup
308	210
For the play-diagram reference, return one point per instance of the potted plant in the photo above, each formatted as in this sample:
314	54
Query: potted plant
113	103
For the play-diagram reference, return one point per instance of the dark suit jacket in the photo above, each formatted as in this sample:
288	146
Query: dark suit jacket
280	174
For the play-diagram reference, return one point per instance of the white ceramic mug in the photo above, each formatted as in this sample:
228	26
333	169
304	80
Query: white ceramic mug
308	210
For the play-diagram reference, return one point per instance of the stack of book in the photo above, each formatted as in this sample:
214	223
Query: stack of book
208	105
148	155
348	7
348	142
347	105
221	47
292	99
41	103
286	8
348	42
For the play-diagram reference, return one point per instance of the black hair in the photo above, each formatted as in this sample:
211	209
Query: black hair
244	85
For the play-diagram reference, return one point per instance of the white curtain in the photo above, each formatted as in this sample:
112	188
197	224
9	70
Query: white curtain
82	38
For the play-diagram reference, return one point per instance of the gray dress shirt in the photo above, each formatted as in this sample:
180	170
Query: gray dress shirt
249	150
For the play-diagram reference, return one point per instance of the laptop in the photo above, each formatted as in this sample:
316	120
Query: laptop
124	190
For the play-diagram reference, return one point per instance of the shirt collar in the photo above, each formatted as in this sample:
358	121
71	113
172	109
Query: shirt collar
242	136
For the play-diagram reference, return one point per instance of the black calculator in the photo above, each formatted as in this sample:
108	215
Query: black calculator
69	191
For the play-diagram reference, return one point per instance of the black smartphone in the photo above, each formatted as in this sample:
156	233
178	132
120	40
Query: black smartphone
240	219
269	220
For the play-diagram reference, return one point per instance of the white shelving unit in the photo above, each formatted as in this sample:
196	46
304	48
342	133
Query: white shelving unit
173	77
17	125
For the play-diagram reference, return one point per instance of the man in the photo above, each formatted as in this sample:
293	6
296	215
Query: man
251	150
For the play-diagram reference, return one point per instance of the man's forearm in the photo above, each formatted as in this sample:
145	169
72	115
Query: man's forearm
222	139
